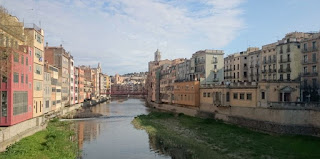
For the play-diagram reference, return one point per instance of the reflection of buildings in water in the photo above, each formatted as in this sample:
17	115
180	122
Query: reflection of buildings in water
119	99
80	134
101	109
88	131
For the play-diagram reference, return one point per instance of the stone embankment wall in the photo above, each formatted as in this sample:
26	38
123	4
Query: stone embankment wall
12	134
287	121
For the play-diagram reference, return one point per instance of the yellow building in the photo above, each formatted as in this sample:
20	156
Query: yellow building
35	39
187	93
274	93
10	36
241	95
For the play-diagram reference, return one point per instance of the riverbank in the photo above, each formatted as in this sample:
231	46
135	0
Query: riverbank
183	136
58	140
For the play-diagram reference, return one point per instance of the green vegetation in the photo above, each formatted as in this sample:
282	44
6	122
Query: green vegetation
190	137
54	142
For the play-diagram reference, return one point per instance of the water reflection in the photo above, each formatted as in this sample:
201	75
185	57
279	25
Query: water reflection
113	135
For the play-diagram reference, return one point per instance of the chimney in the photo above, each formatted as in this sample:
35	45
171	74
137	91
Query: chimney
61	45
46	44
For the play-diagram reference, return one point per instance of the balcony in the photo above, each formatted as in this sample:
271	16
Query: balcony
288	69
281	51
214	70
264	71
288	49
245	68
227	70
257	65
310	74
285	60
214	61
306	62
281	70
305	50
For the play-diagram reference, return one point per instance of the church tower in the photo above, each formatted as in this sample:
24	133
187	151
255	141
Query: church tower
157	56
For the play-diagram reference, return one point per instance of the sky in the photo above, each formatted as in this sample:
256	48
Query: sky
124	34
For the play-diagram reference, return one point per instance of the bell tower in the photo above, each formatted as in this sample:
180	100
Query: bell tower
157	56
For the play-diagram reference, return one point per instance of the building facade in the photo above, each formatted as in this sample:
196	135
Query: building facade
72	81
207	66
59	58
35	38
310	87
16	85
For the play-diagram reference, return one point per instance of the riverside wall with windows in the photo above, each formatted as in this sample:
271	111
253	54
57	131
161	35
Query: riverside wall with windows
276	120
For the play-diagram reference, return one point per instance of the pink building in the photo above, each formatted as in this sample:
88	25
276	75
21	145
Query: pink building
16	86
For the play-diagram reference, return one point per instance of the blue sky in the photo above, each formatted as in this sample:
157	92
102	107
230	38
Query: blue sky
123	34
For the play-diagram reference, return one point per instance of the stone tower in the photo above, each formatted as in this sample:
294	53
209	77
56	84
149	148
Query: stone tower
157	56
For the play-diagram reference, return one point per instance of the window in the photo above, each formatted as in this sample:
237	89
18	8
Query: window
26	78
281	77
27	62
204	94
208	95
314	69
305	69
228	97
305	47
38	86
53	102
241	95
47	104
16	57
314	45
235	95
314	83
249	96
4	103
16	77
288	77
58	101
263	95
20	102
22	78
22	59
314	57
38	69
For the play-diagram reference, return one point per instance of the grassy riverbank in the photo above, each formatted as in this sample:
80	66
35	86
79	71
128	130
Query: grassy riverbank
190	137
55	143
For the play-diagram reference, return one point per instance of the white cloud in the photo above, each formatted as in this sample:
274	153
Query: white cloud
123	35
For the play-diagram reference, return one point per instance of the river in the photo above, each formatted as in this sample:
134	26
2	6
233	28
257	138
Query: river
113	136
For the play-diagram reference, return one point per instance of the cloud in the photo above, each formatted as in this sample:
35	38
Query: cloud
124	34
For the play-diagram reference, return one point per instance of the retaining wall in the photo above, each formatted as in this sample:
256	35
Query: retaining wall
288	121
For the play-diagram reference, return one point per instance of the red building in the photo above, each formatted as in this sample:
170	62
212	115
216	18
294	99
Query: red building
16	85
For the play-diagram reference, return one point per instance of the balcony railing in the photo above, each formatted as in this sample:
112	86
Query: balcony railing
310	74
305	50
214	61
245	68
305	62
288	69
280	70
285	60
263	71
